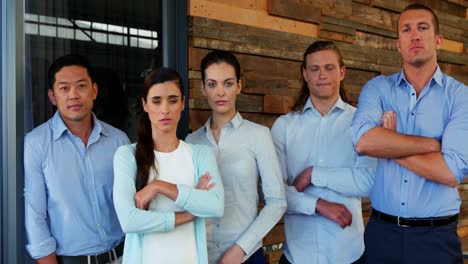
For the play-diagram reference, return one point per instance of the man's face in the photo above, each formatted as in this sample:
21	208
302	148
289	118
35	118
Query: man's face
73	93
323	75
417	41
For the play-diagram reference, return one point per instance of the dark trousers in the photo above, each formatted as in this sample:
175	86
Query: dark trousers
387	243
256	258
284	260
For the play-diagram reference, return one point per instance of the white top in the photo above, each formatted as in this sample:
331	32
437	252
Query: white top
178	245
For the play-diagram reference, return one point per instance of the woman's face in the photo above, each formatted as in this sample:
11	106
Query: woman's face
221	88
164	105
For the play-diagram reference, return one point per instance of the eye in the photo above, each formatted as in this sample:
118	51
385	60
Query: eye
173	100
330	67
314	68
81	85
210	84
229	84
156	102
404	30
423	28
63	88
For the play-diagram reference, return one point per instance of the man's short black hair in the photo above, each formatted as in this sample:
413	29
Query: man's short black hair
68	60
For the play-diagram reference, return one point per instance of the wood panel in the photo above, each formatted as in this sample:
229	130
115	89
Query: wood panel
293	9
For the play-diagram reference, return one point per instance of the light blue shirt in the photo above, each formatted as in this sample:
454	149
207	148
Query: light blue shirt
68	189
245	155
440	112
305	139
136	222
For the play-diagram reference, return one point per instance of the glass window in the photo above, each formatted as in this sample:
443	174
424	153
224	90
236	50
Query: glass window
120	39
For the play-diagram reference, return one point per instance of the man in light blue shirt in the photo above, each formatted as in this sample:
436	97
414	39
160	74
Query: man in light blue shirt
416	123
325	177
69	213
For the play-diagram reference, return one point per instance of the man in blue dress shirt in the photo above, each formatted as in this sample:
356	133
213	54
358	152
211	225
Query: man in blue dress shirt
325	176
69	213
416	123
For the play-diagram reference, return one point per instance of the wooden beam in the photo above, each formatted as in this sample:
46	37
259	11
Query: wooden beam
251	17
295	10
325	34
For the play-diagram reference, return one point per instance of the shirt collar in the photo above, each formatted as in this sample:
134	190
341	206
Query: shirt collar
59	127
437	77
235	122
340	104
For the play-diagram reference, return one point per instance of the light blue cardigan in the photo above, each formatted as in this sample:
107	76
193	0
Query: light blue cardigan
135	222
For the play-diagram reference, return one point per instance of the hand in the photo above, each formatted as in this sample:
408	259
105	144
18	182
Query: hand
389	120
304	179
336	212
233	255
50	259
183	217
145	195
203	183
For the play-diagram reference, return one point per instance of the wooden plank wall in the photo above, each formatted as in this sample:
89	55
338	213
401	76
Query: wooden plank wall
270	36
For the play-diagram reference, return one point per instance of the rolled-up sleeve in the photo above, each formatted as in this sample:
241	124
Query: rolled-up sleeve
370	108
455	136
40	241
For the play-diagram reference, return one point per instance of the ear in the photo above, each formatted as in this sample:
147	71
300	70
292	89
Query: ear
52	98
304	75
95	90
342	73
240	86
144	104
202	88
397	44
439	39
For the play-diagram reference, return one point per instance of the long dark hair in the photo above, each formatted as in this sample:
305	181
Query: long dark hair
218	56
144	154
304	94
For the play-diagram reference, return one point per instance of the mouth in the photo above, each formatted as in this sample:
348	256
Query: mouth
165	120
221	102
74	107
416	48
323	84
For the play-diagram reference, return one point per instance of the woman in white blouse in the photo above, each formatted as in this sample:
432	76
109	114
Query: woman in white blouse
164	187
245	155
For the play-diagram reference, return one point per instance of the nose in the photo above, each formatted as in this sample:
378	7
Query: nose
220	91
164	107
322	74
415	35
73	93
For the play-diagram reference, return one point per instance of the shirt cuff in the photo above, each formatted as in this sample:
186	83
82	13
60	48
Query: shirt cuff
184	194
302	203
246	244
42	249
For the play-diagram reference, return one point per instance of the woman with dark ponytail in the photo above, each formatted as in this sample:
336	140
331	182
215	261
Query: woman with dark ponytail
164	187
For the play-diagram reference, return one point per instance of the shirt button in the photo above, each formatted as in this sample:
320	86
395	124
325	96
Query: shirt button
412	114
406	181
412	94
402	203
